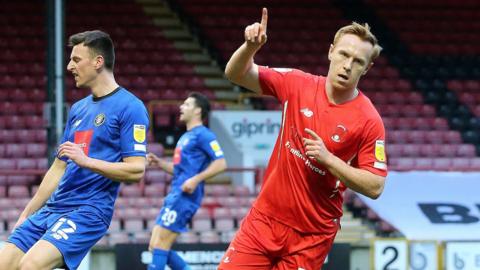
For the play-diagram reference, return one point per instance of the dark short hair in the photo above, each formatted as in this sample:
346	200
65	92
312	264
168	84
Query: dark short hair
201	101
99	42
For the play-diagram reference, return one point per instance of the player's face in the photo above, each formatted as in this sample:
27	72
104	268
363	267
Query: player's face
349	60
82	65
188	110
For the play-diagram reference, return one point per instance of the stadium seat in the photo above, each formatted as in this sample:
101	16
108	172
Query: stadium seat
7	136
442	164
201	224
133	225
118	238
224	224
26	163
188	238
114	226
217	190
36	150
209	237
155	190
126	213
42	163
133	190
153	176
15	150
466	150
23	179
142	237
227	236
241	191
18	192
149	213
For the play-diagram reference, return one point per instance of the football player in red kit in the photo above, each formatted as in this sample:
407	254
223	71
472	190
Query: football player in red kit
332	138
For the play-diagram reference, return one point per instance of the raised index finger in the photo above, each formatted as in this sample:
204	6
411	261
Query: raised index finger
264	19
313	134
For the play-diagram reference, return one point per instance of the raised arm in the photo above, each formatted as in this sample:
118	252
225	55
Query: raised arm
240	68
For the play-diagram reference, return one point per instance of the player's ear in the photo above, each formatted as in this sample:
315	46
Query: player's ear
198	111
330	51
368	68
99	61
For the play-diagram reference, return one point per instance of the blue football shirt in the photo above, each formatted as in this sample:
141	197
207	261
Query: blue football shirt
195	150
108	128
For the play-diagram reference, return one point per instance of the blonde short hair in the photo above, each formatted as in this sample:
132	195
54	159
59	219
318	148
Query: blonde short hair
363	32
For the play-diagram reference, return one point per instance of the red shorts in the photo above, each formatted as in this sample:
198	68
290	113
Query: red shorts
264	243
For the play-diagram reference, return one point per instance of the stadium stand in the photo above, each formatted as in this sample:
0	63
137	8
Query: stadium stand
424	86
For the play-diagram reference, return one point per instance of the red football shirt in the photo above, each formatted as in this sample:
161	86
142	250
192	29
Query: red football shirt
298	191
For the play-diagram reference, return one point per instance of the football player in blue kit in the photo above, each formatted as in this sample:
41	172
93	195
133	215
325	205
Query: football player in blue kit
197	157
104	143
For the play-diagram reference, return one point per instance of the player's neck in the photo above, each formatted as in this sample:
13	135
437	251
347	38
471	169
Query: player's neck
104	84
339	96
193	124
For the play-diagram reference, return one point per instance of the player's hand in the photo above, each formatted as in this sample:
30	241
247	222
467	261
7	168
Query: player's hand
315	148
74	152
190	185
256	34
153	160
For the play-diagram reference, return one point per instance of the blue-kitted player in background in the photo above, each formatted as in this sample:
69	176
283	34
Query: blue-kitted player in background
104	143
197	157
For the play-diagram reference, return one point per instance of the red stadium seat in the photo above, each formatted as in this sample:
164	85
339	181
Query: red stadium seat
156	148
21	179
15	150
216	190
8	164
149	213
155	190
423	164
201	224
133	190
188	238
133	225
26	163
18	192
209	237
475	164
241	191
36	150
442	164
42	163
118	238
155	176
7	136
466	150
224	224
114	226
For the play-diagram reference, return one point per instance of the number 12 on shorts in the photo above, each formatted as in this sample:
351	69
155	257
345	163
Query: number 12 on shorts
63	233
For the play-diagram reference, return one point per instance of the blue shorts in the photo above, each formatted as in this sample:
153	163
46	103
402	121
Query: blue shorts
176	213
73	233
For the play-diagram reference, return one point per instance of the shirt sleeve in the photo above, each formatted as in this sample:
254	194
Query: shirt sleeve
278	82
134	126
372	156
209	144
